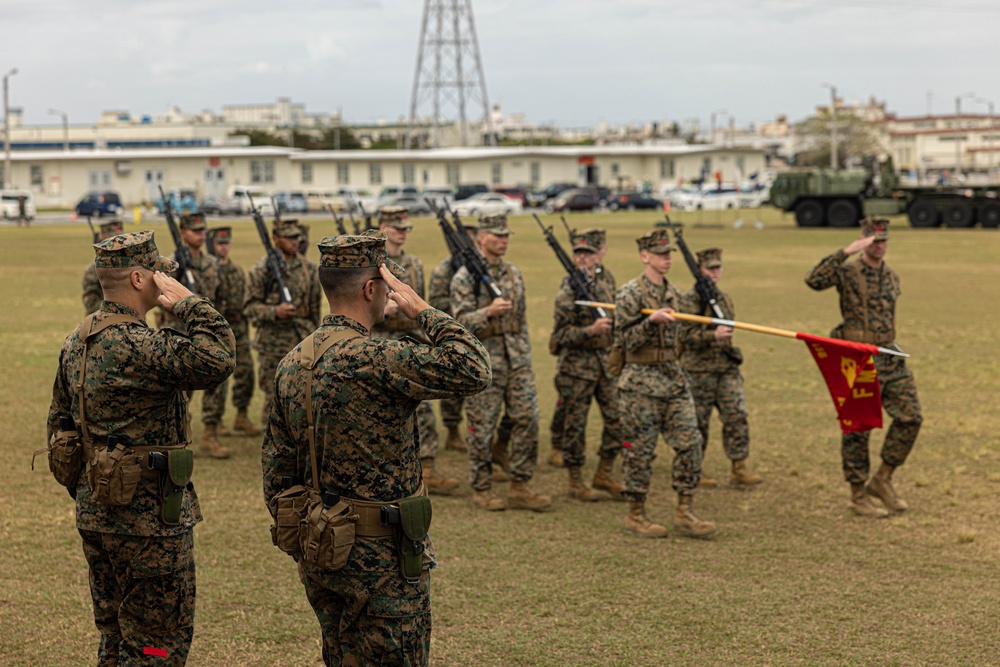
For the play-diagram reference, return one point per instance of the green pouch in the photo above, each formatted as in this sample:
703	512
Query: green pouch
180	464
414	521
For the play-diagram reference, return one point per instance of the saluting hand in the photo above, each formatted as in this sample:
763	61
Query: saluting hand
662	316
171	291
403	295
859	245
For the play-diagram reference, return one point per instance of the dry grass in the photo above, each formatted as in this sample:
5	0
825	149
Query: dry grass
793	579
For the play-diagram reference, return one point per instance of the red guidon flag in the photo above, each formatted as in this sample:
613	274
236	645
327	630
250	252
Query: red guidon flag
850	375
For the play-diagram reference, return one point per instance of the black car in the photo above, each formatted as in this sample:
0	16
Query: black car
573	200
554	190
631	201
99	204
466	190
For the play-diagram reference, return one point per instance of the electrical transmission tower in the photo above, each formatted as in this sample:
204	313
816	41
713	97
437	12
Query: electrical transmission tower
449	70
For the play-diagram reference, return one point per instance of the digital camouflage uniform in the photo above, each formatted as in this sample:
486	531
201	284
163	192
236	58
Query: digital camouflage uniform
870	317
229	301
366	393
274	337
142	571
439	296
513	386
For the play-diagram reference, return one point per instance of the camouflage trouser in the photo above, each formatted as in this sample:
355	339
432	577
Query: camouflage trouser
513	390
644	418
427	430
213	404
723	391
575	396
451	412
558	426
243	375
899	398
371	617
267	366
143	590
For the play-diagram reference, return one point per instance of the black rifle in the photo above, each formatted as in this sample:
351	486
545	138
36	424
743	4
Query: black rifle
183	254
275	262
274	205
569	232
210	245
708	293
459	243
97	237
368	217
340	221
578	279
449	236
354	223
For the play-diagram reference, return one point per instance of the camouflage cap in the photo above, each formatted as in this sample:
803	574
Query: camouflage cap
221	234
349	251
132	249
589	239
710	258
288	228
656	242
193	221
110	228
394	216
495	224
877	227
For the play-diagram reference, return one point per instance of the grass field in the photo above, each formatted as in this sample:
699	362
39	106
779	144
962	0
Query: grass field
793	578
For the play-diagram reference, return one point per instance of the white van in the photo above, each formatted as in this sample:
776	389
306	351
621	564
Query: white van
243	195
10	204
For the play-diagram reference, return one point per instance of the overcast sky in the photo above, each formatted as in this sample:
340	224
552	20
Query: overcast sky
574	62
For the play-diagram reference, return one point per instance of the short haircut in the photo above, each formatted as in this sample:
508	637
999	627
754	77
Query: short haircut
341	284
114	278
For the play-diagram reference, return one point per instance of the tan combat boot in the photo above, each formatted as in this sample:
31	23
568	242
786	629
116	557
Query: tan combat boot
637	522
455	441
687	523
741	475
707	482
863	505
605	482
434	482
221	430
555	458
487	500
578	488
880	486
501	461
521	497
243	425
210	445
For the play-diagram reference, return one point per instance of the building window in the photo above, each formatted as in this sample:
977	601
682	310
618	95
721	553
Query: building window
536	174
666	167
375	173
262	171
741	163
614	168
307	173
496	173
408	170
453	173
706	167
343	173
37	179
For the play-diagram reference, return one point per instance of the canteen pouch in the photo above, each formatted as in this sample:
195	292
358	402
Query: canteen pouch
326	535
616	360
289	509
414	522
180	464
66	457
113	475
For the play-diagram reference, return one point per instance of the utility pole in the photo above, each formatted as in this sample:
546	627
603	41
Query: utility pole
834	163
6	128
958	132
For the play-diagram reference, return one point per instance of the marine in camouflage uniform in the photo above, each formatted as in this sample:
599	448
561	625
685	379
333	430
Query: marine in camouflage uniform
93	295
713	367
395	325
142	570
868	291
280	327
655	393
502	325
582	343
366	394
229	301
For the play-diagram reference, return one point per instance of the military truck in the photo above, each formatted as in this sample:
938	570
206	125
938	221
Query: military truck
841	197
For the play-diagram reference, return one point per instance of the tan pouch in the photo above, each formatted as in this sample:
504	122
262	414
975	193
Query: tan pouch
326	535
114	474
289	509
66	457
616	360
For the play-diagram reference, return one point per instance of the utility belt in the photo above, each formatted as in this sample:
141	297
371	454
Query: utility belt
601	342
870	337
650	356
499	327
397	324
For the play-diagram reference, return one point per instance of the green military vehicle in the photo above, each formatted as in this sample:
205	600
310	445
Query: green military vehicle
841	197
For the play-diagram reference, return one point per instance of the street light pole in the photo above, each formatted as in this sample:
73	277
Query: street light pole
65	123
833	125
6	128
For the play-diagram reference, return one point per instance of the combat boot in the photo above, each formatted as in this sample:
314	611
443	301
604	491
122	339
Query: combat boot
521	497
501	461
210	445
434	482
243	425
578	488
863	505
604	481
487	500
707	482
880	486
221	430
555	458
689	524
637	522
455	441
741	475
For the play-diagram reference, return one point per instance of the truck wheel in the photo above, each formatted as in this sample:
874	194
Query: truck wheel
989	215
842	213
958	215
809	214
923	214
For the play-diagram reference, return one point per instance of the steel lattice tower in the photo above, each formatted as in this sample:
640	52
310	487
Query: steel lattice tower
449	69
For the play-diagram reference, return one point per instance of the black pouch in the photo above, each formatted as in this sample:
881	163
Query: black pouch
114	473
414	522
289	509
180	465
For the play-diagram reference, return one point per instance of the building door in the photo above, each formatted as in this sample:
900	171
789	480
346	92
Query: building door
154	179
99	180
215	181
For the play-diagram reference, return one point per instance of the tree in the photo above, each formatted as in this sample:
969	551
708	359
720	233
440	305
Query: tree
261	137
856	139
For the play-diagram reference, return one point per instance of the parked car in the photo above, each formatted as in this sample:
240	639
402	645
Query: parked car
573	200
754	195
10	204
514	192
182	200
357	198
631	201
244	195
466	190
392	191
539	198
219	205
603	195
440	196
691	199
488	203
415	206
324	200
99	204
290	201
